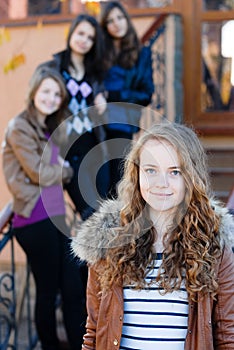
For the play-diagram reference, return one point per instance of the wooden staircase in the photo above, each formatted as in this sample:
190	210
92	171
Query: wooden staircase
221	167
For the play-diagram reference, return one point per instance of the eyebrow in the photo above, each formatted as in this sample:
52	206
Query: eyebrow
156	166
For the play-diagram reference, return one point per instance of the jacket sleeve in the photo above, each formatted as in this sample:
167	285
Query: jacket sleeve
139	85
36	165
98	87
93	303
223	323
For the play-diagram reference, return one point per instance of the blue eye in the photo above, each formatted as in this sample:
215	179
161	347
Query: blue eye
150	171
176	172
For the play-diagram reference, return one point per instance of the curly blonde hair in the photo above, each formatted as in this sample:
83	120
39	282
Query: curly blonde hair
191	244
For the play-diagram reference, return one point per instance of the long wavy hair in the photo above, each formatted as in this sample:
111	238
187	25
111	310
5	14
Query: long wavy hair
191	243
93	59
129	46
41	73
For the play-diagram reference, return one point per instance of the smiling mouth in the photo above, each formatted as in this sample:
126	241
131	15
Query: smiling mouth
81	46
162	194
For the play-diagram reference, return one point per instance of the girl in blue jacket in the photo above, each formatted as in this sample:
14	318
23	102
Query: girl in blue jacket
128	82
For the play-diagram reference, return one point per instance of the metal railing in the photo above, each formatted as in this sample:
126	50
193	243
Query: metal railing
9	324
165	38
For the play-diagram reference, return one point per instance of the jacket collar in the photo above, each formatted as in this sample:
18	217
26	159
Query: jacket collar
96	235
32	120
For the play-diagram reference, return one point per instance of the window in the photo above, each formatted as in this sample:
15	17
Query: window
41	7
217	86
15	9
220	5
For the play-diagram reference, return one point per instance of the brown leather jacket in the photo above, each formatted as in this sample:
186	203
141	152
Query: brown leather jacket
210	323
26	155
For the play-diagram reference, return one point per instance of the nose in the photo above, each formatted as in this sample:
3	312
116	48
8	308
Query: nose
115	22
52	97
84	39
162	180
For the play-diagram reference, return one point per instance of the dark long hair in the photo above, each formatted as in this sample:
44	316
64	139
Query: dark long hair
130	44
93	59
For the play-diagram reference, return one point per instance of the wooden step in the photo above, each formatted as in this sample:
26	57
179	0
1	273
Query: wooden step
223	179
224	171
221	158
221	169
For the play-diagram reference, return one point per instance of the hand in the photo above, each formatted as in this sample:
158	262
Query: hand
67	171
63	162
100	103
67	174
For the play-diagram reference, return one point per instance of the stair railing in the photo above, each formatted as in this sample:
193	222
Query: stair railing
8	324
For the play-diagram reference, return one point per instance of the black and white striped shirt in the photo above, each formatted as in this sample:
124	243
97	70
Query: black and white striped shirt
154	321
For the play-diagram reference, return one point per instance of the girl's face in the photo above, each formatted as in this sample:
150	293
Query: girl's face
116	23
82	39
161	183
48	99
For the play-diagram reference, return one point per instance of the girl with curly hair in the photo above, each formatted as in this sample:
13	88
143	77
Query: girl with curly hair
161	266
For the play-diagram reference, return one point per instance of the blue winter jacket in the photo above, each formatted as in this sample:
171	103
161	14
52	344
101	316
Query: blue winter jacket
128	91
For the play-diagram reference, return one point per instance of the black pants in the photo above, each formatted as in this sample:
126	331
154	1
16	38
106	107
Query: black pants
54	270
86	189
119	143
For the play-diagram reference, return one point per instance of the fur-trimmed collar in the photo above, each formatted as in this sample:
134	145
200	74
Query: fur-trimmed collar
95	235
